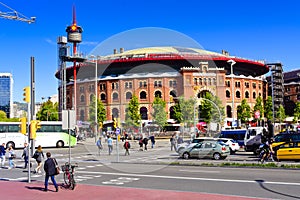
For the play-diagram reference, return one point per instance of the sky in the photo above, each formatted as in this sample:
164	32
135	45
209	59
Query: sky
258	30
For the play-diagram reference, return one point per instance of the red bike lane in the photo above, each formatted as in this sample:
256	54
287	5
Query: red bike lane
13	190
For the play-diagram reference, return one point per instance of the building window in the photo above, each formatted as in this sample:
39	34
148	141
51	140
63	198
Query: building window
115	96
205	81
214	81
158	94
247	84
227	94
102	86
128	95
91	97
82	98
128	85
247	94
143	84
254	85
81	89
237	84
254	95
227	83
298	96
91	88
143	95
172	83
103	97
238	94
157	84
115	86
259	86
195	81
209	81
287	89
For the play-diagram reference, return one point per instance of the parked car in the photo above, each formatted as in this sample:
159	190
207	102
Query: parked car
190	142
206	149
233	145
287	151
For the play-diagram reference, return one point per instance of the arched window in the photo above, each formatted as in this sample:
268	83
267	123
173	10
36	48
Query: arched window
115	96
143	95
103	97
238	94
82	98
228	111
200	81
227	94
115	112
144	113
81	115
247	94
91	97
209	81
173	93
158	94
128	95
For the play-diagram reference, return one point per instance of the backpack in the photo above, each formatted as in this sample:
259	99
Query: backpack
127	145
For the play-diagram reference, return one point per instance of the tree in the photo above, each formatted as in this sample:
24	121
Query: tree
184	110
269	108
101	112
280	115
48	111
244	111
133	115
3	116
217	111
159	112
258	107
297	112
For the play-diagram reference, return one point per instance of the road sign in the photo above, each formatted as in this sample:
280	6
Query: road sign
257	114
117	131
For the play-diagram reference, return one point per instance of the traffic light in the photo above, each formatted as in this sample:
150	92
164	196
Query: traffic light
23	128
115	123
34	125
100	125
26	94
33	129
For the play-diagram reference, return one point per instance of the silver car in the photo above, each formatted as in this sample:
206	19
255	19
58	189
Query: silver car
207	149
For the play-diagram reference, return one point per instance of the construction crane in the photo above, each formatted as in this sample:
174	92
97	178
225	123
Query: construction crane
14	15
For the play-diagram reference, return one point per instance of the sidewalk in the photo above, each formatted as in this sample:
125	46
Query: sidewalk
34	191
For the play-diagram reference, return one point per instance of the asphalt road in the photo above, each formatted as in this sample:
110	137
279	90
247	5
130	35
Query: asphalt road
152	169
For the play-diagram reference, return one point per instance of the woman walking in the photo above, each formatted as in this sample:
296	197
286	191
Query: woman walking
38	156
11	157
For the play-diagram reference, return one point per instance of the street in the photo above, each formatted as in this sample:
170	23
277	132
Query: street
153	169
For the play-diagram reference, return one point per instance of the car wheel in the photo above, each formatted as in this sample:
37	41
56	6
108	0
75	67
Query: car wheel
217	156
231	151
186	155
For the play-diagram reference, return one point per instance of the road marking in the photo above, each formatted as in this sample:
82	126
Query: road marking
120	181
188	178
200	171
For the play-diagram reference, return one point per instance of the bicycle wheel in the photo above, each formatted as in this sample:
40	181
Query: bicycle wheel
67	179
72	182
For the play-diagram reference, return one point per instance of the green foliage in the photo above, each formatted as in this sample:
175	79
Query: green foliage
101	112
48	112
244	111
258	107
159	112
269	108
297	112
133	115
3	115
280	115
184	110
206	108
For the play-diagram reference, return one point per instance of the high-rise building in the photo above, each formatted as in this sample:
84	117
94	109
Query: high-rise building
6	94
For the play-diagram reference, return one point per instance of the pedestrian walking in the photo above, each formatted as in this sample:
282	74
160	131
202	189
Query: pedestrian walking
152	139
145	142
2	154
25	155
99	145
50	171
173	143
141	144
126	147
110	145
38	156
11	157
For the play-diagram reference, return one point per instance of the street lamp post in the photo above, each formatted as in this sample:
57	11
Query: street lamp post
232	62
96	95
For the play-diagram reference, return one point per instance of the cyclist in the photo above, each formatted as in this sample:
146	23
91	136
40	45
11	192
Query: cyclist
267	151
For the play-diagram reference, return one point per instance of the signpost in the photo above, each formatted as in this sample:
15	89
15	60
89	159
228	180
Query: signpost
69	122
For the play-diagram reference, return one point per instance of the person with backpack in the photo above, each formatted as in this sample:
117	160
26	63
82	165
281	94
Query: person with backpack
126	147
38	156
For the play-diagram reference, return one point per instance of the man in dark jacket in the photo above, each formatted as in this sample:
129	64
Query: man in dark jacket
50	170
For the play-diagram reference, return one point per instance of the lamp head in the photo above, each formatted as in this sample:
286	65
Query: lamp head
231	62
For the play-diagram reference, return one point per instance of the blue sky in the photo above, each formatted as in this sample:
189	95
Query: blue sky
259	30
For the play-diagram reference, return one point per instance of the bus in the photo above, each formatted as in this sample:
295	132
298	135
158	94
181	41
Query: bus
235	134
50	134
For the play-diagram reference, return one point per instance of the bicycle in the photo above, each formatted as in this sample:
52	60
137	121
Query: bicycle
69	178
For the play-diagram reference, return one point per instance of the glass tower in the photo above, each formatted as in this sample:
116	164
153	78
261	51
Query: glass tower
6	94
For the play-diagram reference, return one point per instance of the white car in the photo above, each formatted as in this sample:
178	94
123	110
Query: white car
233	145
